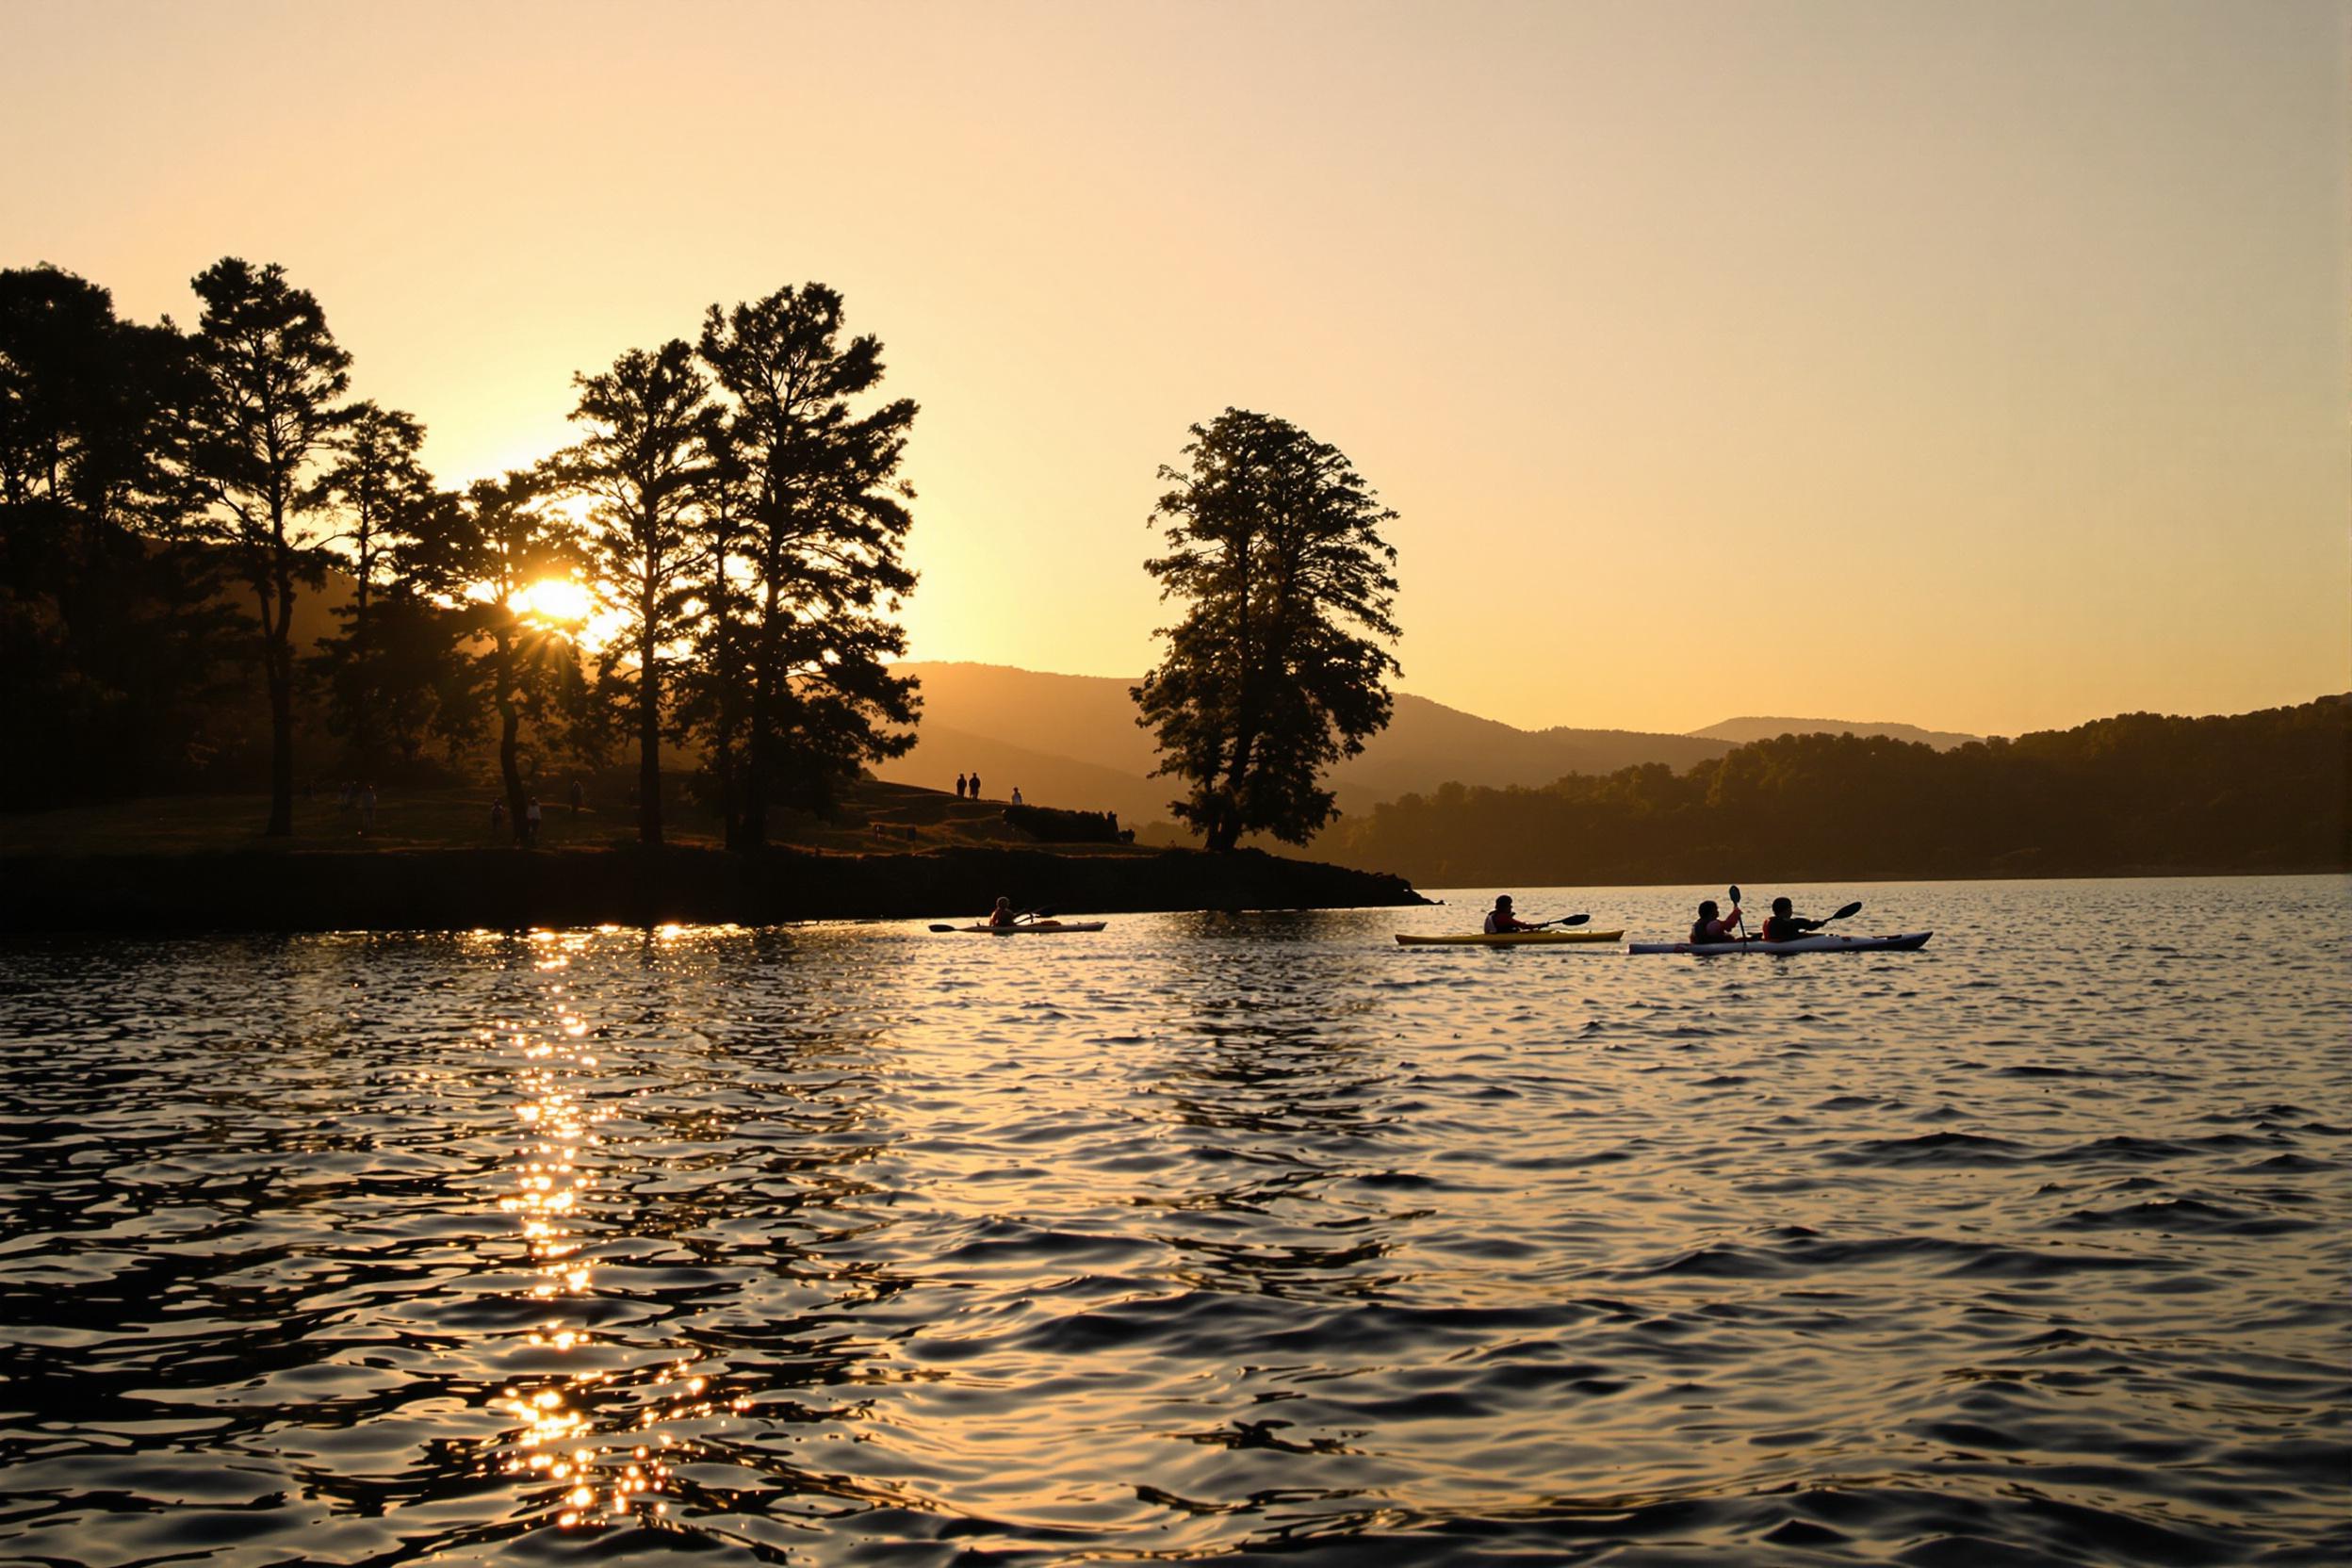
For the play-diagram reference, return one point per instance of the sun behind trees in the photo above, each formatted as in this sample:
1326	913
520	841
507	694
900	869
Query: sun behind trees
1270	675
736	501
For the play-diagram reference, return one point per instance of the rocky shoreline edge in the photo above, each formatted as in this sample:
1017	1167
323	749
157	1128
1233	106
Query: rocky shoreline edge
513	890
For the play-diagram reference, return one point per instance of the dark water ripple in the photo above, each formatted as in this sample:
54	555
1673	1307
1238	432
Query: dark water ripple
1250	1238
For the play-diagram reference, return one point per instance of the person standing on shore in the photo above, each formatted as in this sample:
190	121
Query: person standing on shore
975	786
578	798
530	823
497	817
959	786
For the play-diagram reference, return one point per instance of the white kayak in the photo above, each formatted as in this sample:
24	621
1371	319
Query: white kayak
1031	928
1906	941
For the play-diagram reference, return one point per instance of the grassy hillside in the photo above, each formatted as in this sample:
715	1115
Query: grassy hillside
875	815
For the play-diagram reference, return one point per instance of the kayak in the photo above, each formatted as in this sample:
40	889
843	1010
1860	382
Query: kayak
1509	939
1034	929
1908	942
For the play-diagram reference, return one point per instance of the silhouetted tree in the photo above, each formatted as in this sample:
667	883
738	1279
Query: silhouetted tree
111	636
379	483
714	693
637	466
824	524
273	377
500	538
1272	674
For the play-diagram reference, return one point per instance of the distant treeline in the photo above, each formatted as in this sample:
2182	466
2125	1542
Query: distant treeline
2134	795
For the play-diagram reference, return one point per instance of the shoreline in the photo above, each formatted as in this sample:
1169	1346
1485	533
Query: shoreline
504	889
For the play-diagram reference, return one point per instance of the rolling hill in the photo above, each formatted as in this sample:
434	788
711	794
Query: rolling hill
1073	740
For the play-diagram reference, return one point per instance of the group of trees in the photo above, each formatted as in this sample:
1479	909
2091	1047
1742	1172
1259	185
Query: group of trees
2140	793
169	498
171	501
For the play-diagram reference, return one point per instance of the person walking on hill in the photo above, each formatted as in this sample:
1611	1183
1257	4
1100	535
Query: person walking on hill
975	786
1016	794
959	786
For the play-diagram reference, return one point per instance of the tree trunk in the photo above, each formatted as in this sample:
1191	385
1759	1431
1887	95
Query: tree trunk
278	674
761	763
281	743
648	741
509	772
363	687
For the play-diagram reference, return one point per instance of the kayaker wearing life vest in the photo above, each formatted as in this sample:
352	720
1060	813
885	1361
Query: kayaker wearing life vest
1500	921
1710	927
1785	924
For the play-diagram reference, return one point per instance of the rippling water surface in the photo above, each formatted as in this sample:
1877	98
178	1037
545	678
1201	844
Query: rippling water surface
1207	1235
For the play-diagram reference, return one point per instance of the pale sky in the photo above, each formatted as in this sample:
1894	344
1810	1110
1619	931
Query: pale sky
1983	365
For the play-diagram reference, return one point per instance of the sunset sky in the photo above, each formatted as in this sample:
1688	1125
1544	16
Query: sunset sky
1983	365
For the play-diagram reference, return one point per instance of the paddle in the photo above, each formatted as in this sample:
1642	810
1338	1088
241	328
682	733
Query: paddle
1845	913
1565	919
1735	906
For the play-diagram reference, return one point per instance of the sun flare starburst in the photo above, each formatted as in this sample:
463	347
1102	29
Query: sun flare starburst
557	600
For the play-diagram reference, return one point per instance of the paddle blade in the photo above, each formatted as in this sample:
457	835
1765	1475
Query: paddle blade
1575	920
1734	892
1849	911
943	930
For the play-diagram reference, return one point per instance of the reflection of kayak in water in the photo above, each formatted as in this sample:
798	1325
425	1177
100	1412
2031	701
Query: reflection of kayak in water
1029	928
1908	942
1509	939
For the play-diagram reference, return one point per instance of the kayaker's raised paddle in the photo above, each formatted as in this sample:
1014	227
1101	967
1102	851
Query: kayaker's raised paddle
1847	913
1735	906
1565	919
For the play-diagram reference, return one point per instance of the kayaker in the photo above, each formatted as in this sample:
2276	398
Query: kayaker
1003	913
1500	920
1714	926
1785	924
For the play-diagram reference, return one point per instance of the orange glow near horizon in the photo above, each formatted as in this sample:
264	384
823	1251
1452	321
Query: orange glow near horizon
1980	368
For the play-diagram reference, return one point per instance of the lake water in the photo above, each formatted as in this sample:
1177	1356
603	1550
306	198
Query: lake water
1253	1236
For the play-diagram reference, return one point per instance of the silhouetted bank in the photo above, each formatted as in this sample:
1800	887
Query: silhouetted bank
506	889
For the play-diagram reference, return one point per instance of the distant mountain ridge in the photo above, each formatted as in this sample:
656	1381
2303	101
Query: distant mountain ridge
1073	740
1740	731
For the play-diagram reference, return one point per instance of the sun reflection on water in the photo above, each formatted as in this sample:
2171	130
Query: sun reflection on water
589	1450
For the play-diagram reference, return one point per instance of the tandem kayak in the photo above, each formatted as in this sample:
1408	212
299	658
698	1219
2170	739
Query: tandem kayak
1509	939
1907	941
1034	929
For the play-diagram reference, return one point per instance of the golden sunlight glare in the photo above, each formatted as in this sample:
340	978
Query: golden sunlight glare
559	601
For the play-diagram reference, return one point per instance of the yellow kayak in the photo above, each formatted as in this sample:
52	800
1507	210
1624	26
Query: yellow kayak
1509	939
